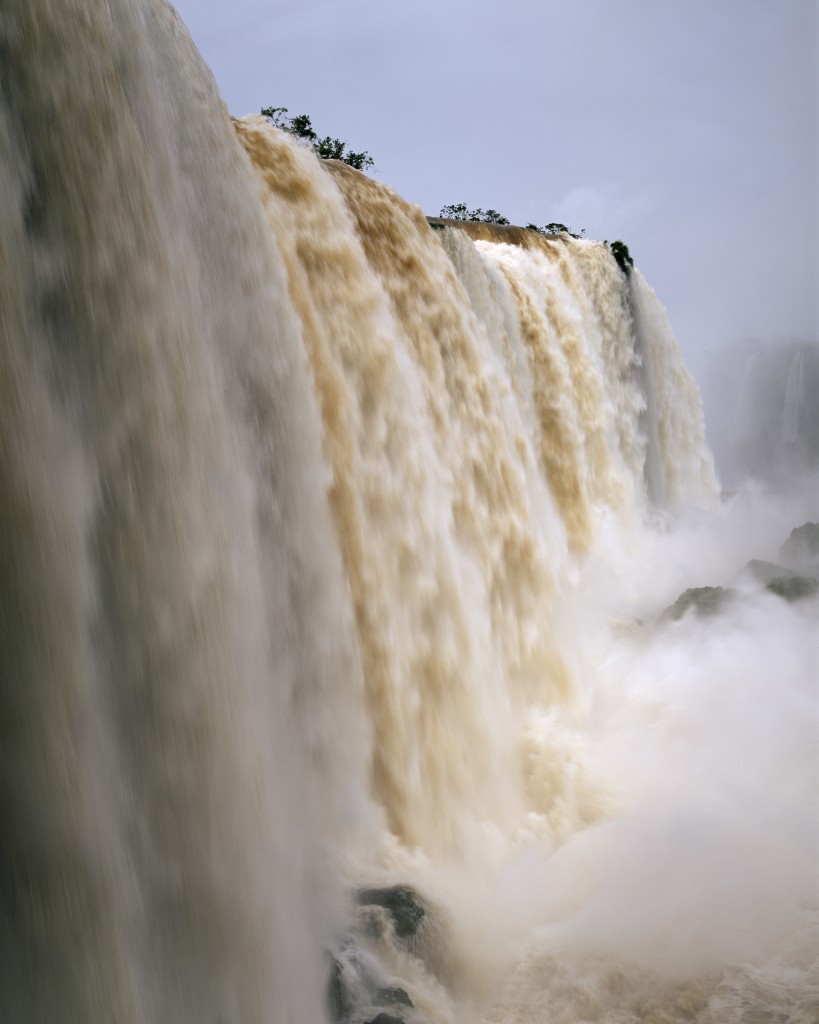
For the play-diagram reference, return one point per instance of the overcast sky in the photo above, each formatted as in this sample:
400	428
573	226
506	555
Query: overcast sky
688	128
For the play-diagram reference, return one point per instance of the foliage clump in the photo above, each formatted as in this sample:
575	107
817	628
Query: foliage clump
553	229
619	251
327	148
459	211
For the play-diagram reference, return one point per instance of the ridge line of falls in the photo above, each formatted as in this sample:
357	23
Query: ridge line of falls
306	511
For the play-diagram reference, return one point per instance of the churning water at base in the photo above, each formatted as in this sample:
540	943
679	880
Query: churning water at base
333	556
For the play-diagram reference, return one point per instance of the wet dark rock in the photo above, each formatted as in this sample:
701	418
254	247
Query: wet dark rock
392	996
359	988
402	903
362	988
802	547
355	978
793	588
338	994
704	601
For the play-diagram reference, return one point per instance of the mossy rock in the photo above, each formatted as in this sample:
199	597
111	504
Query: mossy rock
704	601
403	904
793	588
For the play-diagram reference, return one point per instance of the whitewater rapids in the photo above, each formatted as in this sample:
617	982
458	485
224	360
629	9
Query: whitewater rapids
333	549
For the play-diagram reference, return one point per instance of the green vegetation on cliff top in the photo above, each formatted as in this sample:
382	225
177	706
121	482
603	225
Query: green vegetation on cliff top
329	148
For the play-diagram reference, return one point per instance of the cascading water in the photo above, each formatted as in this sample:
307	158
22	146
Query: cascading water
328	562
173	605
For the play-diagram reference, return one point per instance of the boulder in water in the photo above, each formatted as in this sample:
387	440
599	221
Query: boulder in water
793	588
356	978
802	547
359	987
394	995
703	600
403	904
763	572
338	993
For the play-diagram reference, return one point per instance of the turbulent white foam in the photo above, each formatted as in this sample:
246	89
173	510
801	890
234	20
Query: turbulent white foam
695	895
676	870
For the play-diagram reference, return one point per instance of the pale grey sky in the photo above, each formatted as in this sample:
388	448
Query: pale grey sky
688	128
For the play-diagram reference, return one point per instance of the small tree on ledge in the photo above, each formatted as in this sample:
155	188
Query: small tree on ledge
459	211
555	228
327	148
619	251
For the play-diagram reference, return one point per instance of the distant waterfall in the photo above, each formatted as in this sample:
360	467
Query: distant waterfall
764	412
306	507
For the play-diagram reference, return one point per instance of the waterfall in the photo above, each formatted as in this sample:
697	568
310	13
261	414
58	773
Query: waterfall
173	604
330	540
773	435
